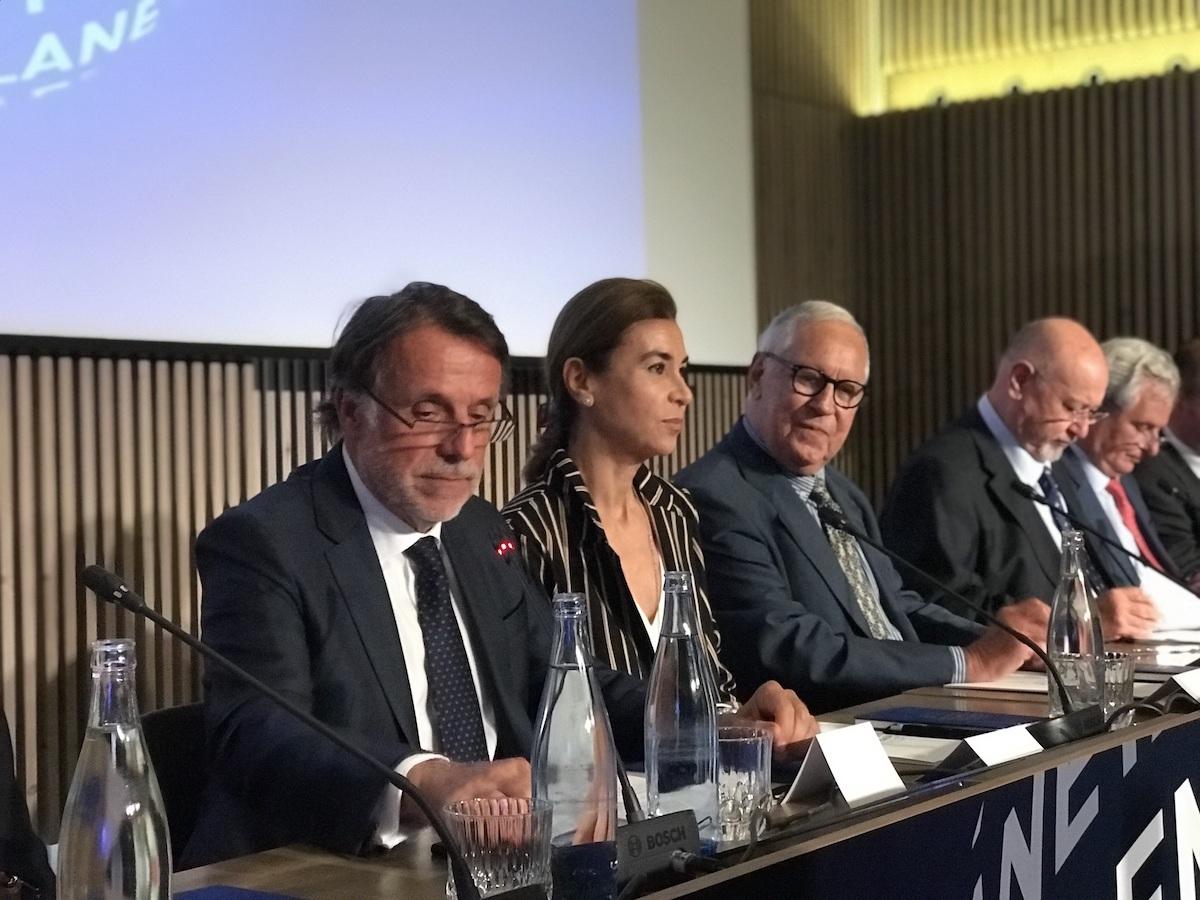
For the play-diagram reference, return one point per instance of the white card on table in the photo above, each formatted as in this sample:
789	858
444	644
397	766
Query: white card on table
853	760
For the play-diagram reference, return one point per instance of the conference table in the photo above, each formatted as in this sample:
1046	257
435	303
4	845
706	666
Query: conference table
1114	815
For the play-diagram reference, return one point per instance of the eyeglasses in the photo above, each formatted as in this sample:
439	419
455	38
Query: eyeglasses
440	424
809	382
1080	415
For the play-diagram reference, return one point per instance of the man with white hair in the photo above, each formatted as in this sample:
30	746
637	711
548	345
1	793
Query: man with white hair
1170	480
1142	385
799	602
958	508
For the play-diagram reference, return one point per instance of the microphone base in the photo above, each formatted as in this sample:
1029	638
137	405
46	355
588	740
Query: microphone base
1072	726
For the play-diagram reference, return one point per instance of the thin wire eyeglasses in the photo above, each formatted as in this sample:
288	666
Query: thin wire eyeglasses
809	382
498	427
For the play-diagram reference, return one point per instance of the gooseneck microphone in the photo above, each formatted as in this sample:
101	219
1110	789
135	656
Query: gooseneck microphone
111	588
1030	494
835	519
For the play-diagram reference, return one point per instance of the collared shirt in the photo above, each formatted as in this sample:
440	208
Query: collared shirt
1027	469
565	548
1178	608
1190	456
391	536
803	486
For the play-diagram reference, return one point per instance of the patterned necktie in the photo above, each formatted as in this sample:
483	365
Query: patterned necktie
1129	517
1051	492
845	548
454	705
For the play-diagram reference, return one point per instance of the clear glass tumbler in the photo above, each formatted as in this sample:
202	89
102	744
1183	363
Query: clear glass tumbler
506	842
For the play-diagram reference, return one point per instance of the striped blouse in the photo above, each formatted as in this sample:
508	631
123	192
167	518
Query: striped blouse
564	546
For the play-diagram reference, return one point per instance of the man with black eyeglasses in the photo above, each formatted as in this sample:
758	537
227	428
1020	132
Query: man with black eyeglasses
801	602
959	507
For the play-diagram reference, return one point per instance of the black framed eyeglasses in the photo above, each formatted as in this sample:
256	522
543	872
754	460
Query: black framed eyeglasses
809	382
492	430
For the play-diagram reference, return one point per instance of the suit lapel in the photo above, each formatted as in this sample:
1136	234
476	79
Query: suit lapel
1146	524
356	570
802	528
481	603
1000	479
1082	501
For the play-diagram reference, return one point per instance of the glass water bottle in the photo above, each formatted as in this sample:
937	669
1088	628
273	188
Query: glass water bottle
114	843
681	716
1075	642
574	763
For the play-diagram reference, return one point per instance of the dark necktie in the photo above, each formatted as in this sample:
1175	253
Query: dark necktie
1051	492
845	548
1129	518
454	705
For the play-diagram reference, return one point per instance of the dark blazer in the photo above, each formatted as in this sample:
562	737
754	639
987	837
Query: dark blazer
1115	568
21	851
952	510
782	602
1176	513
294	593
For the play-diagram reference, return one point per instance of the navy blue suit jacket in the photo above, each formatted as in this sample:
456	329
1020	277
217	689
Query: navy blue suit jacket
294	593
781	599
1115	567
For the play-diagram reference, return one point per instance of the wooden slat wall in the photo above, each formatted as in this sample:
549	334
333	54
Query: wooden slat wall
121	459
928	34
979	217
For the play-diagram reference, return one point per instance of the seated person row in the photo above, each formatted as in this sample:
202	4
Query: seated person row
1142	385
1170	480
795	601
956	508
368	589
593	518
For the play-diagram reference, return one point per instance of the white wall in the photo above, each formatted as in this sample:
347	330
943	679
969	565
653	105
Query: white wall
699	182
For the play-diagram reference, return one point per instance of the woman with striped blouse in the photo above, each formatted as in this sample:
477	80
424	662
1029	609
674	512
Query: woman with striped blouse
593	518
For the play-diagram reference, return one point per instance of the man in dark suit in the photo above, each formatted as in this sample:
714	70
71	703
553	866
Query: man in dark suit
956	508
1142	386
23	864
798	602
375	591
1170	480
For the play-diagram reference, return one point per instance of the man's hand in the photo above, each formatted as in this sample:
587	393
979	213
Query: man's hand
1127	613
792	725
995	653
442	781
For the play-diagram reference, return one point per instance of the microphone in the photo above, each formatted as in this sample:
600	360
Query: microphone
835	519
111	588
1030	494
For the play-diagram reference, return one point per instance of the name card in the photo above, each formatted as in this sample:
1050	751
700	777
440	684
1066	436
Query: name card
1188	682
851	759
1003	745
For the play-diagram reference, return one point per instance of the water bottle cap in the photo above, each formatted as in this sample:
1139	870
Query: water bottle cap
568	604
113	654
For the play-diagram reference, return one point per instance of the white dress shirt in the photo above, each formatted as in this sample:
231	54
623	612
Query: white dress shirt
392	536
1190	456
1177	608
1027	469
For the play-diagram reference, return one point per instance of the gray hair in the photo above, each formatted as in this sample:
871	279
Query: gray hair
1132	363
778	334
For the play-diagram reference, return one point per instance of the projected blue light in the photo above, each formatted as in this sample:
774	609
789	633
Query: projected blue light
59	42
236	172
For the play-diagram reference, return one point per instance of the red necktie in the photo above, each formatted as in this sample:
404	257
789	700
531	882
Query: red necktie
1125	508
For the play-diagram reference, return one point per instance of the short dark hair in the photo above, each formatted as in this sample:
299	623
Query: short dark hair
590	327
377	321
